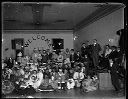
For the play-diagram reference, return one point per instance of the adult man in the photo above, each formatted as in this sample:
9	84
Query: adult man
83	49
78	57
44	57
114	58
72	58
49	54
95	53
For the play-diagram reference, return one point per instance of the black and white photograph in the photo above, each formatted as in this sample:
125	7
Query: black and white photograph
69	50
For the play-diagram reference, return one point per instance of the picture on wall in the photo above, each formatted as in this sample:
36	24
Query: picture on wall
58	43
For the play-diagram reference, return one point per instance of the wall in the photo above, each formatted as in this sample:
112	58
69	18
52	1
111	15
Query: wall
27	35
102	30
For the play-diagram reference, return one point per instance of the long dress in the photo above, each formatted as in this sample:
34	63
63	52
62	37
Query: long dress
39	81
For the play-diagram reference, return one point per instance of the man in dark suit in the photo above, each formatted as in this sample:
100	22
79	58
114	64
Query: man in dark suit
44	57
114	59
78	57
85	49
95	53
72	58
49	54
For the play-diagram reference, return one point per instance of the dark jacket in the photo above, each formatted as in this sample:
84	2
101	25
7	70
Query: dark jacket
85	51
44	58
78	58
95	49
73	57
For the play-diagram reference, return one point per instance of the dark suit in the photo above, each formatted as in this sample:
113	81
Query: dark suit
49	56
78	57
73	59
122	40
84	51
95	49
44	58
115	56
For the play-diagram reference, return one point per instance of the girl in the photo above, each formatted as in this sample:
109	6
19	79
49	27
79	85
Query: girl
61	79
87	84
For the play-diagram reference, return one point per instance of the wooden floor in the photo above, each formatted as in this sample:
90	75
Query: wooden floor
75	94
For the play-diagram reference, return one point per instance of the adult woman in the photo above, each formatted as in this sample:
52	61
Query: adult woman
104	60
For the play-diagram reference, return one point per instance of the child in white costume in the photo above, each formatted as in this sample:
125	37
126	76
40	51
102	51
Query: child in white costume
70	83
39	79
78	77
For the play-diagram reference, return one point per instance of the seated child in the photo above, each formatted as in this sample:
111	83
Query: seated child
95	81
70	83
54	81
78	76
87	84
61	79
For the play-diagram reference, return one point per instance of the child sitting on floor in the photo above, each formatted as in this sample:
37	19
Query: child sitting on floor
87	84
61	79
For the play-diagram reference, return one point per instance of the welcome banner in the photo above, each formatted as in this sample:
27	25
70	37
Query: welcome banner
38	41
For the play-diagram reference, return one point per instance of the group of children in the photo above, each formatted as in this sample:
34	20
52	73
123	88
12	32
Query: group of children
52	75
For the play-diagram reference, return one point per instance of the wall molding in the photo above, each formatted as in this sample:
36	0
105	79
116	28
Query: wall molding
29	31
98	14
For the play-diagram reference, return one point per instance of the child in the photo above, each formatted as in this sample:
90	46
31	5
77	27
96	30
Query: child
95	81
70	84
61	79
67	63
78	77
54	81
39	79
60	59
88	84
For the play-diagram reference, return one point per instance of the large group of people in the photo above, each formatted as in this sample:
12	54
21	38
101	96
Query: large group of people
61	69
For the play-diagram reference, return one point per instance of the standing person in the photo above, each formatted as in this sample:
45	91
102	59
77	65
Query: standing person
95	53
72	58
49	54
60	59
44	57
10	63
114	69
35	55
78	57
83	49
104	62
54	56
67	53
86	62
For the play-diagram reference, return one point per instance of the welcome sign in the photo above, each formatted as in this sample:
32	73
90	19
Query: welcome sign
38	41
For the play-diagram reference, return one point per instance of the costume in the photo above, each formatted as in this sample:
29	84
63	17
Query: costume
61	80
70	83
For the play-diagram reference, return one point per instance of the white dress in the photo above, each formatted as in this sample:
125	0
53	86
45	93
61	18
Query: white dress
76	78
70	84
39	81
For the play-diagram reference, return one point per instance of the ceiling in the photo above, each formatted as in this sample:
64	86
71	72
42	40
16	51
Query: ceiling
53	16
